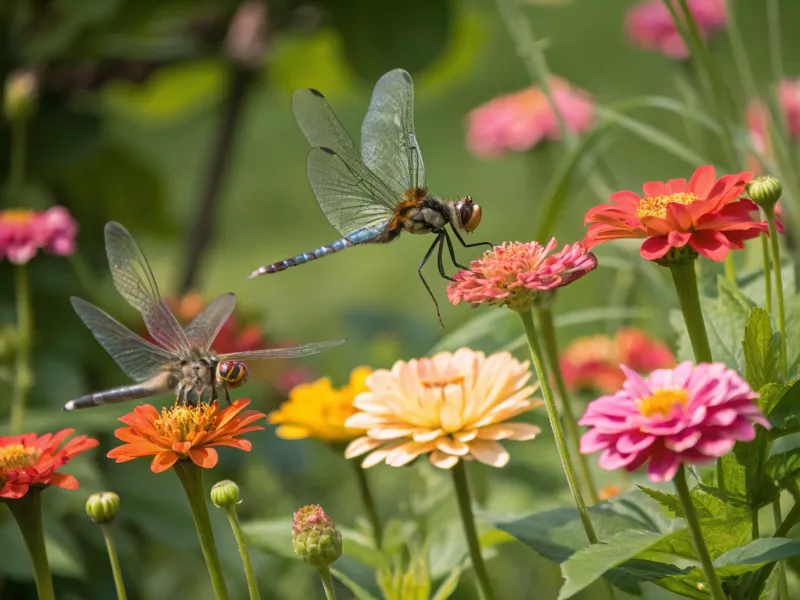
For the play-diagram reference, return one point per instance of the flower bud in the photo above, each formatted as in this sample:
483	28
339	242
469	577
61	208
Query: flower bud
19	100
765	191
102	507
315	537
225	494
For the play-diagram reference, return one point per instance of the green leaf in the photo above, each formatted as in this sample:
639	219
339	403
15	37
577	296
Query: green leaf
758	553
761	350
784	467
448	586
669	501
359	592
786	410
272	536
759	488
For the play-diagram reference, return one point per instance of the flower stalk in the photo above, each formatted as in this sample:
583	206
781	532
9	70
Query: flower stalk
114	560
765	250
23	377
776	268
327	582
191	477
682	487
365	493
783	584
468	521
548	330
252	582
27	512
685	280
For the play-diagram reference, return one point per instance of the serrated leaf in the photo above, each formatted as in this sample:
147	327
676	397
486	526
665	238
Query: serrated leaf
669	501
784	467
761	350
786	410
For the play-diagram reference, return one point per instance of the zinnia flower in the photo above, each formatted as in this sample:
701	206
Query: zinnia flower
519	121
789	99
184	432
513	273
30	460
451	406
319	410
24	232
650	24
592	362
705	214
689	414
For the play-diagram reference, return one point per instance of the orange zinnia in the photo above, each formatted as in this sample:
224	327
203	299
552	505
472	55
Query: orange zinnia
184	432
706	214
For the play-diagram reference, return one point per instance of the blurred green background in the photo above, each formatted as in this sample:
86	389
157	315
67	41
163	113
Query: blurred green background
133	94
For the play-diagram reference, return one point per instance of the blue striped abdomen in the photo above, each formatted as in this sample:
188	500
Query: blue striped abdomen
360	236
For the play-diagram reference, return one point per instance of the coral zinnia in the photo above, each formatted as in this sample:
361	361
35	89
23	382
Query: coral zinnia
593	361
184	432
30	460
451	406
513	273
24	232
318	410
689	414
705	214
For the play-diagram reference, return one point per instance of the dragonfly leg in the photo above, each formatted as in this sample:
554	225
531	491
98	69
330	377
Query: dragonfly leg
466	245
452	251
438	240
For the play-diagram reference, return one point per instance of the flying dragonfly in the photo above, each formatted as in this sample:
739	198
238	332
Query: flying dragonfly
373	195
181	360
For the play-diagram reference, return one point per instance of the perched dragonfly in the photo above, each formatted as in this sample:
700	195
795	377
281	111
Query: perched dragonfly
373	195
181	360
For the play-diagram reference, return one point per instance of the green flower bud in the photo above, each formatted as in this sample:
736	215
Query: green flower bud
225	493
21	92
315	537
765	191
102	507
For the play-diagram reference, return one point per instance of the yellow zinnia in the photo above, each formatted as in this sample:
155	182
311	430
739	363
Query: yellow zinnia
451	406
318	410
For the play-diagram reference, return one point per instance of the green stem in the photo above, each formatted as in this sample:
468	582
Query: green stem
754	524
252	583
774	37
191	477
327	583
789	522
548	330
468	521
783	584
685	280
776	268
114	559
16	172
369	503
27	512
698	542
767	273
23	378
730	268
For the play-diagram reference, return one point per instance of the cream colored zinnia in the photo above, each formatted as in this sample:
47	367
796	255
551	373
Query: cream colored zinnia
451	406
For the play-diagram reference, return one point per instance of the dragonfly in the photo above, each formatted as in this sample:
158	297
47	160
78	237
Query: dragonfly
373	195
180	360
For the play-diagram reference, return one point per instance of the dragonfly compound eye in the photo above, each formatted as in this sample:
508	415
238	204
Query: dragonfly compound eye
232	373
469	214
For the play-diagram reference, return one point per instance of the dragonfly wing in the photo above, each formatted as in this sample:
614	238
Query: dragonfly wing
205	326
138	358
388	144
135	282
349	194
293	352
319	123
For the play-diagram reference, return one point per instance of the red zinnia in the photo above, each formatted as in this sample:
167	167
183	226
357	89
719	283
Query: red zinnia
28	459
707	214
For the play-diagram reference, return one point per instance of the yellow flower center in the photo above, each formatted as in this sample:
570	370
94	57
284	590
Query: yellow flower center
656	206
443	382
182	422
662	402
17	456
16	215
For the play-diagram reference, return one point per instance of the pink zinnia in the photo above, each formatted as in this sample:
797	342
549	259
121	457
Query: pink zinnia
689	414
650	24
24	232
789	98
513	273
519	121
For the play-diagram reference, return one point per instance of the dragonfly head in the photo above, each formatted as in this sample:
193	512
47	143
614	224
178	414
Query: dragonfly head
469	213
232	373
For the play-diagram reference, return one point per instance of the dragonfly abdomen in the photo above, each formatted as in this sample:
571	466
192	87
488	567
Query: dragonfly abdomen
120	394
340	244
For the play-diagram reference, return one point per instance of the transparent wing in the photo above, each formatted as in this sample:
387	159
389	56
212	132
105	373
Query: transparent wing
138	358
348	193
293	352
135	282
319	123
388	144
205	326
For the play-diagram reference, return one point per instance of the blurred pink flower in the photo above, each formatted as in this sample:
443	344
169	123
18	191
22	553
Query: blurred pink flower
689	414
789	98
512	273
24	232
519	121
650	24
